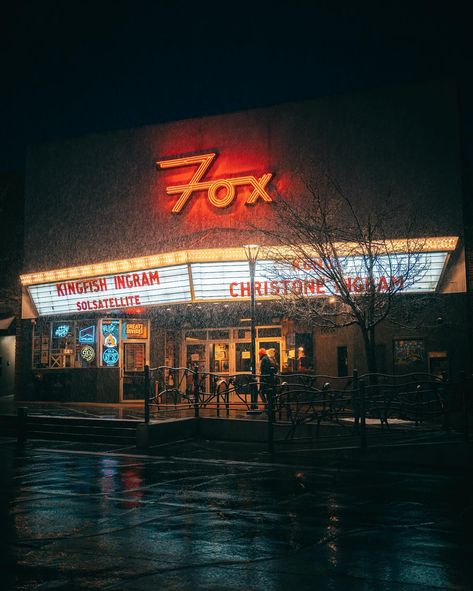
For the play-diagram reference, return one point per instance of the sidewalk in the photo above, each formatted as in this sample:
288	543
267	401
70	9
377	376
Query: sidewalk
402	444
125	410
74	409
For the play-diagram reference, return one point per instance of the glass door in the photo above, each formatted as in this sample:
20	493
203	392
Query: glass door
196	355
196	359
129	343
220	358
273	350
242	357
134	357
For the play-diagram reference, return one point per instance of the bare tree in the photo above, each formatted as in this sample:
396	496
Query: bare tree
347	258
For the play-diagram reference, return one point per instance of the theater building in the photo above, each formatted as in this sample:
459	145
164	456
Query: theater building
134	241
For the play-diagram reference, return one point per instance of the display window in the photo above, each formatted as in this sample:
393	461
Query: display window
242	357
41	344
95	343
110	343
56	345
86	344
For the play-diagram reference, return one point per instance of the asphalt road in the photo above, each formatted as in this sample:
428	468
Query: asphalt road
90	517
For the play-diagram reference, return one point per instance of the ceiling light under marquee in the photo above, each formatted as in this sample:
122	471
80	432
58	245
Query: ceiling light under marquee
432	244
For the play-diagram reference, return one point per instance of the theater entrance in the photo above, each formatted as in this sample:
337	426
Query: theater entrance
228	351
134	354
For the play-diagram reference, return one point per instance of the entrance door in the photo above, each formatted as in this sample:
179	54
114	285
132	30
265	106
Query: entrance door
219	362
220	358
227	352
134	356
210	357
272	346
242	357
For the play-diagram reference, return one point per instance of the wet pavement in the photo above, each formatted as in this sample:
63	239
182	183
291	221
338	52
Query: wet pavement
135	411
333	436
125	410
186	517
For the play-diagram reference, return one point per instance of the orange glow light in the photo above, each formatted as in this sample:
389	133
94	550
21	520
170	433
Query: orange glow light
216	195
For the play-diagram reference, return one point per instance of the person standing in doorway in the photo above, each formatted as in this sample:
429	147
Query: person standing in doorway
265	371
271	353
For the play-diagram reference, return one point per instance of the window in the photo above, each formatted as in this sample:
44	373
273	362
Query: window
196	335
304	353
243	357
41	337
269	331
62	345
83	343
196	357
86	344
110	343
242	334
219	334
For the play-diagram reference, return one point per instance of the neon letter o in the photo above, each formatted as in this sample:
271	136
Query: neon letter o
226	199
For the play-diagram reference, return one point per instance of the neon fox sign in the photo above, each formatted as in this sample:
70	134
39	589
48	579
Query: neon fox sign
220	192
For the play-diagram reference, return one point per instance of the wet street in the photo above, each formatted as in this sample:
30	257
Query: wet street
78	517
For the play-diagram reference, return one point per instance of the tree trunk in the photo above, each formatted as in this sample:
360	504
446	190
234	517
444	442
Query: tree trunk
369	342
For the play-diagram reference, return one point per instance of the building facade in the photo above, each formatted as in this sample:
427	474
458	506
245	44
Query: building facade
134	241
11	256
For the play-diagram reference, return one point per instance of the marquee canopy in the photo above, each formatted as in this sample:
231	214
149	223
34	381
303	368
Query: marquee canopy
221	275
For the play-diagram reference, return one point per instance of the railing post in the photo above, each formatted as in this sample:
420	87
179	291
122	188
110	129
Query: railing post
147	384
362	401
447	405
270	407
355	399
326	389
196	390
21	429
418	404
218	383
227	398
175	380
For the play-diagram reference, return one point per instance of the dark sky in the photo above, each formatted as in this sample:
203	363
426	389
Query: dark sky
74	68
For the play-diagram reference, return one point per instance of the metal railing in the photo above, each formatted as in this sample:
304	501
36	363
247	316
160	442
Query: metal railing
355	403
180	388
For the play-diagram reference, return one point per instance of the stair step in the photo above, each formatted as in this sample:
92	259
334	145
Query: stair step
69	436
72	429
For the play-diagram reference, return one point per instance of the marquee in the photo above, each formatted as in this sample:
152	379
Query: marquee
216	280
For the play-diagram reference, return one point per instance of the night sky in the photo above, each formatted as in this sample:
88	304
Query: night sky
73	68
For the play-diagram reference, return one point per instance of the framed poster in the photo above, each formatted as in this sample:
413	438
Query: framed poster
409	356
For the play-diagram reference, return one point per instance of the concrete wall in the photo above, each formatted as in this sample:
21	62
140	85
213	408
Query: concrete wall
7	365
100	197
440	323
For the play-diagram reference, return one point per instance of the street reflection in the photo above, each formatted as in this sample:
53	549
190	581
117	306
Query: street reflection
176	524
131	481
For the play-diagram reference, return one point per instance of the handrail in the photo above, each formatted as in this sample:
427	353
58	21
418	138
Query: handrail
354	401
